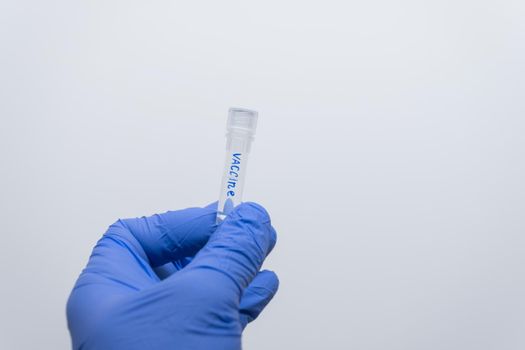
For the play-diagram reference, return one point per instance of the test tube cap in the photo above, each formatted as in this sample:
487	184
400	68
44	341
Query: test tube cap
242	119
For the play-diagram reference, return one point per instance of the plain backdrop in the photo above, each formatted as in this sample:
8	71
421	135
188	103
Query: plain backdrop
390	154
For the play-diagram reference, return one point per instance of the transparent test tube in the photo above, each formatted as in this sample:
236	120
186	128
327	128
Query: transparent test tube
240	131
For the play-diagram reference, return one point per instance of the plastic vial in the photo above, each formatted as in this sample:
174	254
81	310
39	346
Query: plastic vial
240	131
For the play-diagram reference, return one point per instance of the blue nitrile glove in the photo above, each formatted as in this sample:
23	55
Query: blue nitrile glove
174	281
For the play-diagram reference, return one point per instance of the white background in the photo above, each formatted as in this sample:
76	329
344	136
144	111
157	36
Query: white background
390	154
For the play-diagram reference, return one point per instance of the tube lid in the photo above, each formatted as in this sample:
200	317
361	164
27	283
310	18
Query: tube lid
242	119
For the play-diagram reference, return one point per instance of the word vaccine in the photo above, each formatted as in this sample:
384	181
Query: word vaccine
233	174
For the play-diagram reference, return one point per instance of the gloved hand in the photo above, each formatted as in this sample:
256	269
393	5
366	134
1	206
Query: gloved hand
174	281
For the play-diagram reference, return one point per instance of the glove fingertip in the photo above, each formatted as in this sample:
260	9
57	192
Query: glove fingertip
267	279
